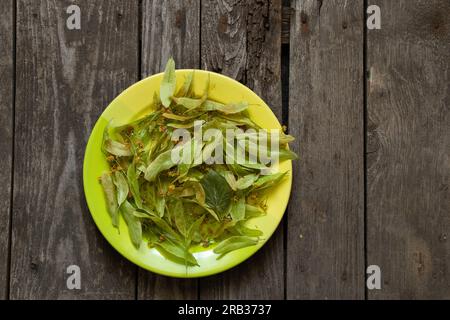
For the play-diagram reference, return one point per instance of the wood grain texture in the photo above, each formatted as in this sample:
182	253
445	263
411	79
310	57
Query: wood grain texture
325	236
408	217
224	37
169	29
65	78
242	39
6	134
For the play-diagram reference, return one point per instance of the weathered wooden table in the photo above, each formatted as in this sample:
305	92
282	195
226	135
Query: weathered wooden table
370	109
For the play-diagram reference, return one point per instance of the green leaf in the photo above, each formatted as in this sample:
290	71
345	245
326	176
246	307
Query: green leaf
211	211
238	169
200	194
185	125
170	247
244	231
136	125
122	187
230	108
241	119
161	163
173	116
285	138
189	103
268	181
255	166
143	214
193	233
177	250
160	199
105	137
211	105
246	181
285	154
236	107
180	218
217	192
111	198
190	152
237	210
117	148
252	211
207	87
156	102
234	243
212	229
187	88
160	203
282	137
206	208
165	228
134	184
168	84
229	176
133	223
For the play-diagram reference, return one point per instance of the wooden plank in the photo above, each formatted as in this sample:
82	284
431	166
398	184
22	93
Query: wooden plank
325	236
408	101
169	29
6	134
65	78
243	40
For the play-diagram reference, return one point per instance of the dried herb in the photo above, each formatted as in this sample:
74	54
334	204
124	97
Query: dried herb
111	198
176	204
234	243
168	84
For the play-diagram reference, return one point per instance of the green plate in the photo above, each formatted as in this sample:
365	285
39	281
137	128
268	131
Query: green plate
135	102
